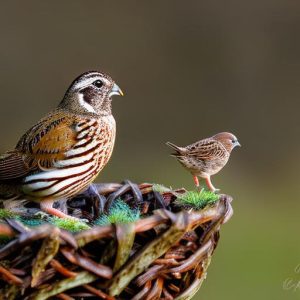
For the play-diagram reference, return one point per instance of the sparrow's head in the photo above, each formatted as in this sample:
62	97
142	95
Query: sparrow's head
228	140
91	93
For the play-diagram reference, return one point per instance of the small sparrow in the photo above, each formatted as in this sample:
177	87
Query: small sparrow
206	157
65	151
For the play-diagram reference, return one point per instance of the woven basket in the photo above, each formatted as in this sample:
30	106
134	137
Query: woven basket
163	255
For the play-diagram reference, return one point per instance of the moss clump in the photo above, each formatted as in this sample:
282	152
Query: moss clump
196	199
31	222
119	212
5	213
69	224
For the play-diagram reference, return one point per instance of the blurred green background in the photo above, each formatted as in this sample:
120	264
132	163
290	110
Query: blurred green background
189	70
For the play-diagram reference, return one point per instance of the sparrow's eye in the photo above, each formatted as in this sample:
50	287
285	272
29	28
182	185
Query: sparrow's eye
98	83
233	141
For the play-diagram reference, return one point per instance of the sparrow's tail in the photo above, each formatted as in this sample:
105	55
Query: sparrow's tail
179	150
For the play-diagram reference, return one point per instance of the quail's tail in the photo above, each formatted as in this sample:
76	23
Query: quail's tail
179	150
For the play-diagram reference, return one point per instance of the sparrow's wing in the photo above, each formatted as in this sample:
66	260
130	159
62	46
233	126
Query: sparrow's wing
207	149
48	141
12	165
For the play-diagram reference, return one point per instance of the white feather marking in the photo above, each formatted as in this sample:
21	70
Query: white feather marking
85	105
83	125
84	133
88	147
81	142
78	187
87	81
59	185
58	173
37	185
73	161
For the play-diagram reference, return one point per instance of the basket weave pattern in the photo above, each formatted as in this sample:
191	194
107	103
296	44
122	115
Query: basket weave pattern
164	255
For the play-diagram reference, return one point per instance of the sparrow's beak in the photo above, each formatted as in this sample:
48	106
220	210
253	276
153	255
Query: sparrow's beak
237	144
116	91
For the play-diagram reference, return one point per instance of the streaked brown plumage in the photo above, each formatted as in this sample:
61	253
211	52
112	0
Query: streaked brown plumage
206	157
65	151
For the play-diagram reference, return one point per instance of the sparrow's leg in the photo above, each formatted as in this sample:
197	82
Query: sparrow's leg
47	206
210	185
196	180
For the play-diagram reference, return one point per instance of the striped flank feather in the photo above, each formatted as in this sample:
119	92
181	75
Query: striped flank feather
81	163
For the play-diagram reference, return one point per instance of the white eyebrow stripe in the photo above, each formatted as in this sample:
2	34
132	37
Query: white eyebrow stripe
87	81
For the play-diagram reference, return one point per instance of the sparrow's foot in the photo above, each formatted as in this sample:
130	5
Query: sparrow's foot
210	185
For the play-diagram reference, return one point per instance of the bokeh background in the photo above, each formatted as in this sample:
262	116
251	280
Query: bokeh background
189	70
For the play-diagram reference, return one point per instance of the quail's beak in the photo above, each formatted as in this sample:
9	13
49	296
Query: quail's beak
116	91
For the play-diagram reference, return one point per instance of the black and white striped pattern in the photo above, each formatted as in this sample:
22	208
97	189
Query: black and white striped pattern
82	163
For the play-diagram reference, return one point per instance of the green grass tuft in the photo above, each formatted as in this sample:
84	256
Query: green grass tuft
69	224
196	199
5	213
119	212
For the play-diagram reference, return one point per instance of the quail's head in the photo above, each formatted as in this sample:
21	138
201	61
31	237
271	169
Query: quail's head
91	93
228	140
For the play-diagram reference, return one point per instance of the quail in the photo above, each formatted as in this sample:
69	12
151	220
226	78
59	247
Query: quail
65	151
206	157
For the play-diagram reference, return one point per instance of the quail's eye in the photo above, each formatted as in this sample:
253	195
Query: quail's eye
98	83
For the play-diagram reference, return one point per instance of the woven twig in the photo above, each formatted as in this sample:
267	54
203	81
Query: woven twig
164	255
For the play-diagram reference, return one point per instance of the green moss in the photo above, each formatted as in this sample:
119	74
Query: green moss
32	222
69	224
119	212
5	213
196	199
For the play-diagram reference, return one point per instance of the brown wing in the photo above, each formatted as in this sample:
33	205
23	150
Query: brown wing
48	141
40	147
12	165
207	149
